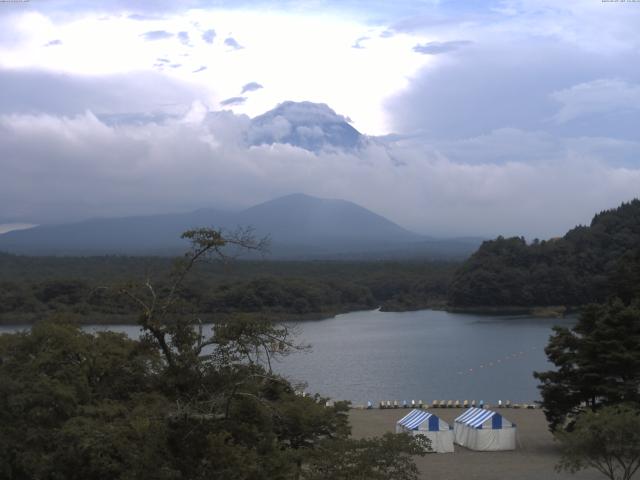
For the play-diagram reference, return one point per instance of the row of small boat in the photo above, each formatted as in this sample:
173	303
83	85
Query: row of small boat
384	404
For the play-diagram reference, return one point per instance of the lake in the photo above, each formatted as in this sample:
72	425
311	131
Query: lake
426	354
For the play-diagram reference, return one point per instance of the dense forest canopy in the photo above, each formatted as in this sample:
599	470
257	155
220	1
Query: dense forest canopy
33	287
589	264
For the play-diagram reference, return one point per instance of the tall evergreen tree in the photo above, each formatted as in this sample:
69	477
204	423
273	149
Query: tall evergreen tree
588	265
598	363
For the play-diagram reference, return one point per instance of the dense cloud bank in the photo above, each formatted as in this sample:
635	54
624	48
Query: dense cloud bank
58	168
520	119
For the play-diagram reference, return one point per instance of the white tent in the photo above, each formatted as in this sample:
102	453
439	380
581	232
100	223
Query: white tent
484	430
421	422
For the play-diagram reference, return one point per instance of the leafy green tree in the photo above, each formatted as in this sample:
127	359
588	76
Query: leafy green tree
625	279
607	440
387	457
67	397
598	363
180	403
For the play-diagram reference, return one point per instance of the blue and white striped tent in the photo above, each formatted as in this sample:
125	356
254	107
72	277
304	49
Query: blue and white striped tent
421	422
485	430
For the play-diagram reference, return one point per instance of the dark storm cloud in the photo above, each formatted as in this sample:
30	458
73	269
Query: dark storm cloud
209	36
436	48
233	43
251	87
156	35
490	87
233	101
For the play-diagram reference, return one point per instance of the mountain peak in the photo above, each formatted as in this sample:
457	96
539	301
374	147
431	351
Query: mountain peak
308	125
301	197
305	112
299	225
300	218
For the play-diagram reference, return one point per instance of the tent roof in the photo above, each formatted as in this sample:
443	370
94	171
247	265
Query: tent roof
475	417
414	418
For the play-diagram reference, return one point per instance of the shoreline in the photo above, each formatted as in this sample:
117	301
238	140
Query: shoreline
21	320
550	311
558	311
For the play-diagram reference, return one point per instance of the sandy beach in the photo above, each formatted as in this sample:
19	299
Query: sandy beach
534	459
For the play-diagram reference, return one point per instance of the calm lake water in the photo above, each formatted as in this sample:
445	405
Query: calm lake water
425	355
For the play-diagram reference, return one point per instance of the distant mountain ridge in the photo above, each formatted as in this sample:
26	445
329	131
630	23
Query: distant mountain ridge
157	234
324	220
300	226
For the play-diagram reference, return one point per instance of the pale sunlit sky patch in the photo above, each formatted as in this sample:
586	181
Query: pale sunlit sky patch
294	56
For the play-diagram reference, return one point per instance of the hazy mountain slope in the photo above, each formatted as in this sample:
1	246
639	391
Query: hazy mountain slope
153	234
299	218
300	227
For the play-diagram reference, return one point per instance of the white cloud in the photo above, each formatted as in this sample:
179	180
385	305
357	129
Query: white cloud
308	59
275	130
596	97
82	167
437	48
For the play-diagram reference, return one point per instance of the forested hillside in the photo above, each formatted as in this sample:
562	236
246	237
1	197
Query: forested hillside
32	288
589	264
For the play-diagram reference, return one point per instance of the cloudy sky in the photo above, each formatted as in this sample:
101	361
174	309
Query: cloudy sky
481	118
